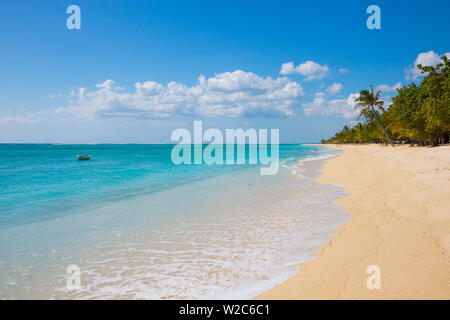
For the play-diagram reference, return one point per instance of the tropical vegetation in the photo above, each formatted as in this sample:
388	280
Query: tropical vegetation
419	114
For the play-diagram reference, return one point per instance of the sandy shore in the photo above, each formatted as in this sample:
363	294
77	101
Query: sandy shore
399	199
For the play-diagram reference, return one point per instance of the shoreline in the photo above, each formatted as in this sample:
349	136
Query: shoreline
400	222
237	247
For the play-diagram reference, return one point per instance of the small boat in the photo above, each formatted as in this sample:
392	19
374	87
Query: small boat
84	157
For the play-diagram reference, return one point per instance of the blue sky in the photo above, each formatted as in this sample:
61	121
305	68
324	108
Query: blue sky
157	52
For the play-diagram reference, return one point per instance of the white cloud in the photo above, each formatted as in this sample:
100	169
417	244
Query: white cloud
107	85
386	88
344	71
344	107
229	94
387	101
429	58
310	69
335	88
28	118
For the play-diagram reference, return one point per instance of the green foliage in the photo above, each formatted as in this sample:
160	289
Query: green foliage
418	114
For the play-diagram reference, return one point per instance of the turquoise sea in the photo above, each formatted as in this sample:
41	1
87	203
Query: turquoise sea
139	226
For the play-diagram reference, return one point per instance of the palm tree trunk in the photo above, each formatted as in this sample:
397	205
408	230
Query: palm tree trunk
382	127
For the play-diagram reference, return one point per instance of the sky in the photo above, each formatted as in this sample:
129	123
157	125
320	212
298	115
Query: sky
137	70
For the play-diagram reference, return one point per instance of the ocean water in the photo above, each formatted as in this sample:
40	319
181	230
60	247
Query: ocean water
140	227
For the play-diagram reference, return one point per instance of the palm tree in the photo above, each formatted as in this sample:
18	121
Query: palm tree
369	103
359	129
